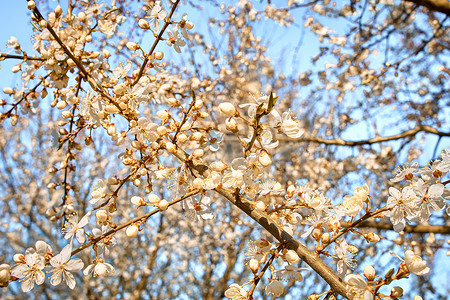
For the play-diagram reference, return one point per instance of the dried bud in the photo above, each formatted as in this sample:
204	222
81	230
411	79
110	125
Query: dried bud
396	292
352	249
261	243
372	237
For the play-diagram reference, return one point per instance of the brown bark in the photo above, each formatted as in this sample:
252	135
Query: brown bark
442	6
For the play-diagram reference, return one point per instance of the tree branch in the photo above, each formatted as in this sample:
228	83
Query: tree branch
442	6
378	139
310	258
442	229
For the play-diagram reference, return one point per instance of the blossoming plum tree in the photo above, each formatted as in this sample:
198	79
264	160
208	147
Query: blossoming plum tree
138	176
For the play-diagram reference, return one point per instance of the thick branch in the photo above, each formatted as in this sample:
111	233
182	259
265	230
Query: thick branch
442	6
311	258
378	139
442	229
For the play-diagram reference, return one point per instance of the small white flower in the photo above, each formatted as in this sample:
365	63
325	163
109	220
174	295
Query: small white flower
98	268
105	243
30	270
345	258
156	14
430	198
444	165
198	209
406	172
355	203
75	228
415	263
402	204
357	288
174	40
62	267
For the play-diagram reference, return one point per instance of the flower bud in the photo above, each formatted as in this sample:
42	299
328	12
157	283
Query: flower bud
198	183
8	90
227	109
260	206
5	273
317	234
188	25
153	199
325	238
132	231
171	147
101	215
144	24
198	104
138	201
292	257
231	125
163	115
113	180
159	55
253	265
182	138
15	68
196	136
264	158
172	102
31	4
162	130
132	46
218	166
369	273
163	204
197	153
